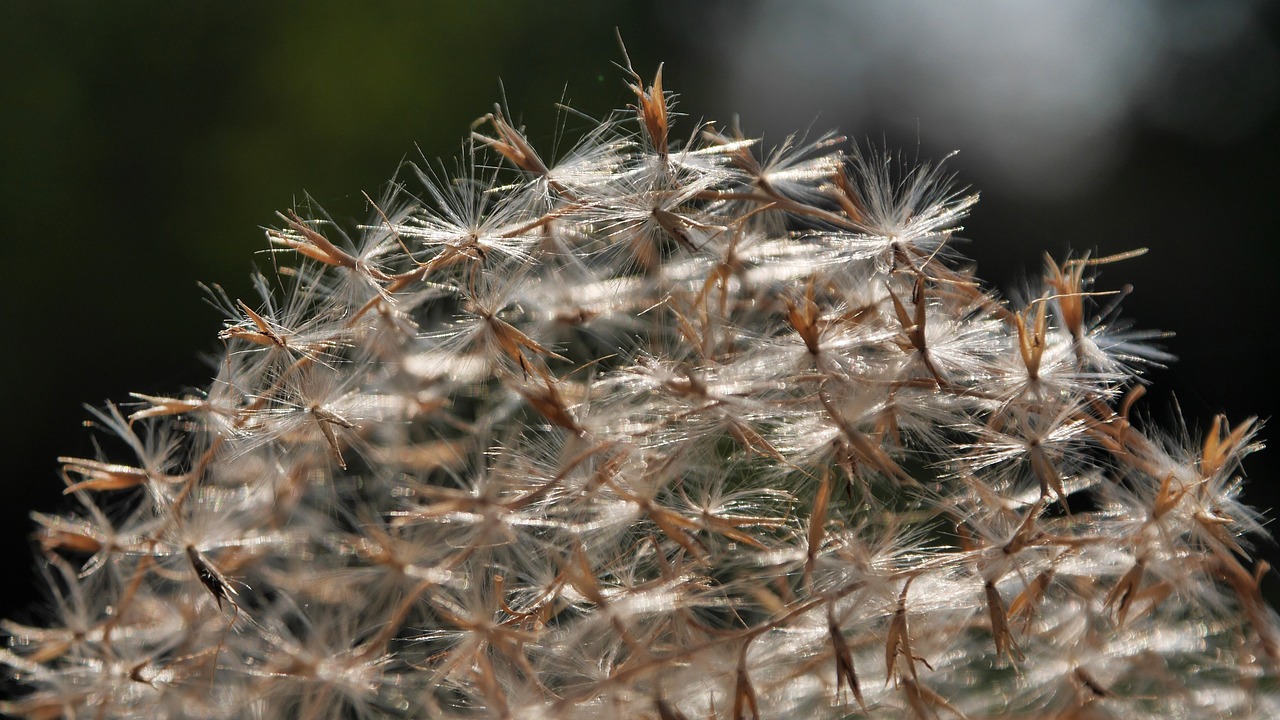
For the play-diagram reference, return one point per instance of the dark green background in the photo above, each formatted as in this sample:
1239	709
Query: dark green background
144	144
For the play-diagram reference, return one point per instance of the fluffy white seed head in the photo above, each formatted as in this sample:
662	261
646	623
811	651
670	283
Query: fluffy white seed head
655	429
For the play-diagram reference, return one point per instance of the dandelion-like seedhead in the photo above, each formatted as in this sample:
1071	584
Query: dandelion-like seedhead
658	428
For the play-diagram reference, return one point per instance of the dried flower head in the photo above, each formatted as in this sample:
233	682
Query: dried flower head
655	429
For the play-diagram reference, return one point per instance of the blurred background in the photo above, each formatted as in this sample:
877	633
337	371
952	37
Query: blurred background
144	145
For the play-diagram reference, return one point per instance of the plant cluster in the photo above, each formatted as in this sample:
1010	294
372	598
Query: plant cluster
656	428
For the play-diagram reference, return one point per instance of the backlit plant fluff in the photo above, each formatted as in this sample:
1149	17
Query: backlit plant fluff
664	429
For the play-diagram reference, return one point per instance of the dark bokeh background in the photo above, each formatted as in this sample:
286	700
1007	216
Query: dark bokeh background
143	145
